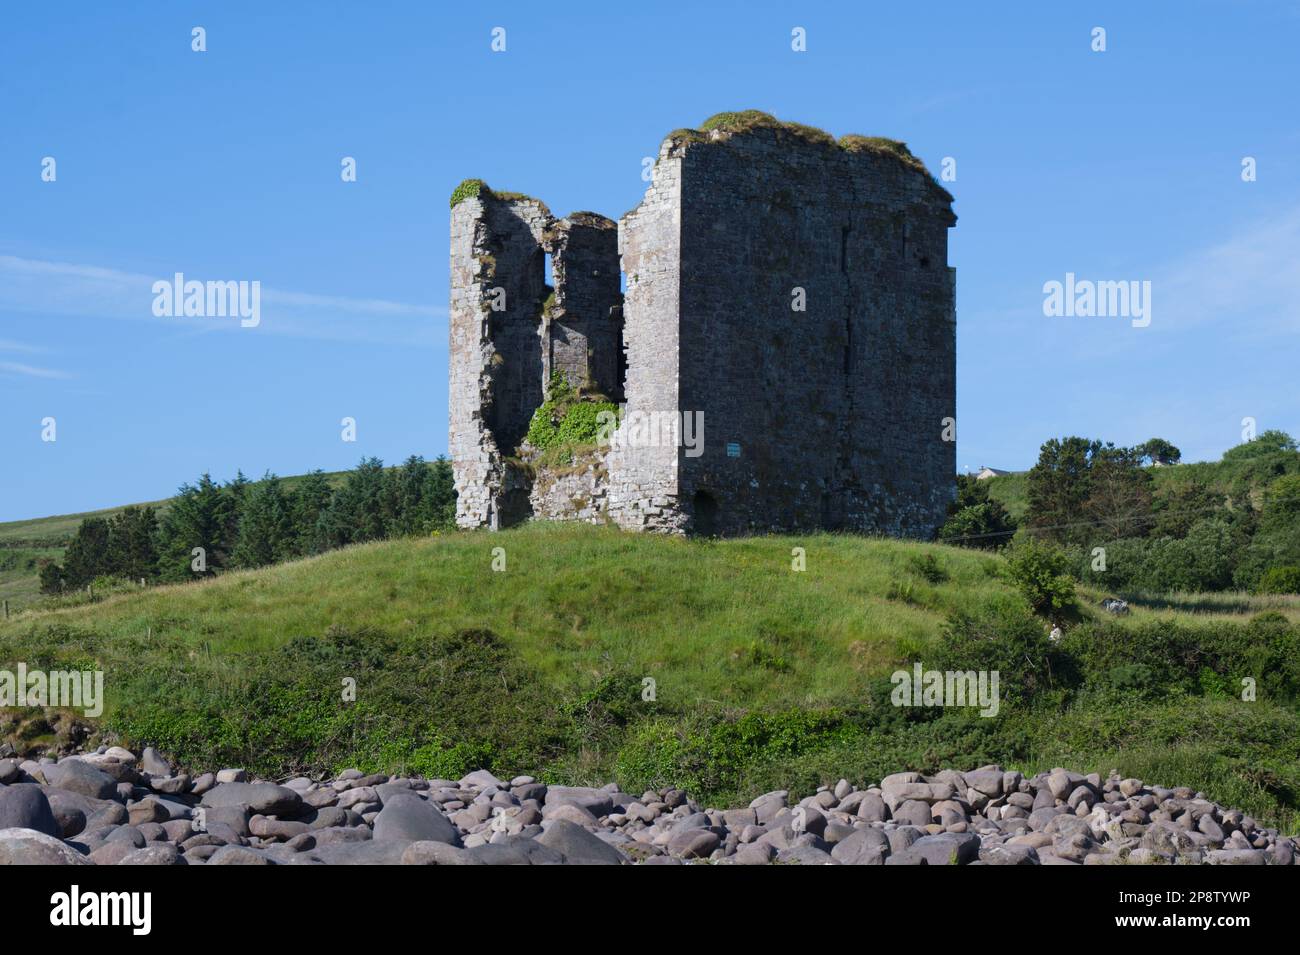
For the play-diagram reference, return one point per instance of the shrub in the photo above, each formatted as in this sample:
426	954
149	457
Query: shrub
1001	635
566	420
1279	580
1041	573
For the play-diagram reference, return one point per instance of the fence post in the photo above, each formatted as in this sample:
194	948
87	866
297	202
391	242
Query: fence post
6	610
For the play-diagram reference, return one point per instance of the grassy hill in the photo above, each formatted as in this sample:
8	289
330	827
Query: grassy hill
763	676
24	543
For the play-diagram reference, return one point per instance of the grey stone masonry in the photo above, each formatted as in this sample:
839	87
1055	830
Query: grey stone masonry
497	292
583	324
510	331
644	472
789	296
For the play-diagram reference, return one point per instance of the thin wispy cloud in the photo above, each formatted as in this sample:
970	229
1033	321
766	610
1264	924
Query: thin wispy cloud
21	348
30	371
40	287
1246	286
1249	281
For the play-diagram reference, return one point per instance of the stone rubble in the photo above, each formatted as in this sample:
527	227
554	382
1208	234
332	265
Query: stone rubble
111	807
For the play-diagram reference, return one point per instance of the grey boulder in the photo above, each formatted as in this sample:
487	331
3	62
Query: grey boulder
578	845
24	806
78	776
29	847
408	818
265	798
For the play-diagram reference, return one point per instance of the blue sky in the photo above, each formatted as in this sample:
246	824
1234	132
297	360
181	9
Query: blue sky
224	165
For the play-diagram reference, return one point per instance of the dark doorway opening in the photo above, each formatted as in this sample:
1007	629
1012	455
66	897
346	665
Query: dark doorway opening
704	509
513	508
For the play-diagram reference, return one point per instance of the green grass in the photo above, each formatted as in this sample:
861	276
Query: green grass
765	677
576	600
55	531
1222	606
1011	490
22	543
19	580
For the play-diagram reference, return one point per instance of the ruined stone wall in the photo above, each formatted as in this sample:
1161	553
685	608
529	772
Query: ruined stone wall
575	493
505	339
643	476
836	410
497	291
793	292
476	468
830	417
584	332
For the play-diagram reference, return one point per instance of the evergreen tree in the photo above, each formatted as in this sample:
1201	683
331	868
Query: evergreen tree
236	493
87	556
404	497
265	527
199	516
1058	486
309	501
133	543
439	499
1159	451
358	511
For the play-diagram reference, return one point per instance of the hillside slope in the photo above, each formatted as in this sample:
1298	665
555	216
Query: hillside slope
24	543
710	665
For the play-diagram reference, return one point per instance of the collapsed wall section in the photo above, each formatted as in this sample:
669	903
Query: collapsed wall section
509	331
583	321
497	290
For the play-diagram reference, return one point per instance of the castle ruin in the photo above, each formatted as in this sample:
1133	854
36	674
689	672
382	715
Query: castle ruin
787	291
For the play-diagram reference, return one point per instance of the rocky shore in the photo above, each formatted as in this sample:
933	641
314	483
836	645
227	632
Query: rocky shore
112	807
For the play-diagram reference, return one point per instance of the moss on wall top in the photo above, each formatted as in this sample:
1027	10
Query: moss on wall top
472	188
724	125
591	219
468	189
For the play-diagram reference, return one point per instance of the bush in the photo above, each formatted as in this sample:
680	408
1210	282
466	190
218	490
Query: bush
1162	658
975	519
51	576
439	706
1279	580
566	421
1001	635
1041	573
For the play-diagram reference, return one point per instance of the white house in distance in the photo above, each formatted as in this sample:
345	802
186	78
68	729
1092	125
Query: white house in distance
983	474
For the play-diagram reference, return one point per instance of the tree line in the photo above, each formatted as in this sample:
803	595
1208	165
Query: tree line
1230	525
211	527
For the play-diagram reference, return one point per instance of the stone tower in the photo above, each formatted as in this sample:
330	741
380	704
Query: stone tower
788	306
